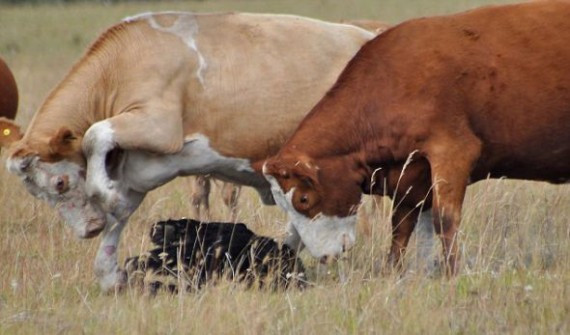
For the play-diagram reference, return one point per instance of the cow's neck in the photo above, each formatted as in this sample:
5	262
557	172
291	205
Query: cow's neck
75	107
80	100
332	131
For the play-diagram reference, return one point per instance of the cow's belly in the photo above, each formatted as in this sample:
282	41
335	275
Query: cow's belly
255	126
145	171
550	164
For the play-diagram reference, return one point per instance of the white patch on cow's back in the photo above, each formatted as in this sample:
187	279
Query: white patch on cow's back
147	15
137	17
185	27
322	235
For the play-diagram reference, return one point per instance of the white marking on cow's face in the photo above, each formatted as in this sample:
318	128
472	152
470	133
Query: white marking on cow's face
322	235
185	27
43	180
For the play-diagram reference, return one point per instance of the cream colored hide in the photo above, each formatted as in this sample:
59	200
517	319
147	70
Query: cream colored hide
169	94
201	184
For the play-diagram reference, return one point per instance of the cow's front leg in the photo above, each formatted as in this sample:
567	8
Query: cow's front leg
403	223
200	197
111	278
451	166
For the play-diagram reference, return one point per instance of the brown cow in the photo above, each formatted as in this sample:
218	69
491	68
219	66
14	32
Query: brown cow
8	92
9	131
168	94
448	100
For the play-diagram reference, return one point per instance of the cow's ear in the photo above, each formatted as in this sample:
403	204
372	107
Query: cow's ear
63	142
275	168
9	132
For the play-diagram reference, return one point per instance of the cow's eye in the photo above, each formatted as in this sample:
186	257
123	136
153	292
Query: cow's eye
25	166
304	199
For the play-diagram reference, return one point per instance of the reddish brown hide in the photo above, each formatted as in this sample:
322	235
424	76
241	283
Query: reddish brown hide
8	92
465	96
9	131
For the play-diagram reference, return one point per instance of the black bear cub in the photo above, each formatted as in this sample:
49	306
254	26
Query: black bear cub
190	253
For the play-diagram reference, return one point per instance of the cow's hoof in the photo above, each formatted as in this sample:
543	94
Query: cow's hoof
113	283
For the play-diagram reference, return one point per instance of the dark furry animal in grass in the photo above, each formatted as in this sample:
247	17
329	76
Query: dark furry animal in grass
190	253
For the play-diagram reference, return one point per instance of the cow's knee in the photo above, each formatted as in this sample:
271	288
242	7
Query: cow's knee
97	143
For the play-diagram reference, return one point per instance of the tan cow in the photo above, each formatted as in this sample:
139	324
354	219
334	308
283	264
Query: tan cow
200	197
448	100
374	26
169	94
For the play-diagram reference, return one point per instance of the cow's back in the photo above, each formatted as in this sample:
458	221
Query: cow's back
8	92
263	74
502	71
244	81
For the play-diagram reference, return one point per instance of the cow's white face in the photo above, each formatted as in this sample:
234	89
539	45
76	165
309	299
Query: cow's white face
323	235
62	185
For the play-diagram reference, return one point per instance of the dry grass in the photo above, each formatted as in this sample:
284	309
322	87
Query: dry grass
516	235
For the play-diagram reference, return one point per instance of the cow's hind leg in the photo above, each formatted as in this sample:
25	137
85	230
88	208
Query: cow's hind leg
200	198
230	195
451	161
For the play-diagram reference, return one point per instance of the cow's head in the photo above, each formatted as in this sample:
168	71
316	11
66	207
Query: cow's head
9	132
321	199
53	169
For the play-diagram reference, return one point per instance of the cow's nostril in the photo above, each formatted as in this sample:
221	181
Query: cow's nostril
93	232
328	259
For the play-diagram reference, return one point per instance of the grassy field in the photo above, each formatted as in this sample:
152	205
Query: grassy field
516	235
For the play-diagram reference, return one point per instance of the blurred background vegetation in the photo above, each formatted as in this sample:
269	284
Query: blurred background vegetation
516	273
